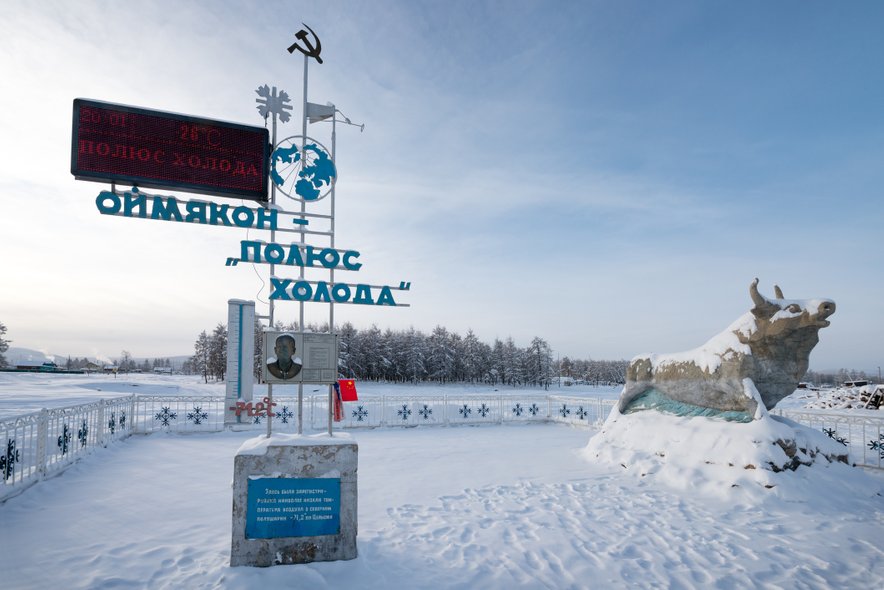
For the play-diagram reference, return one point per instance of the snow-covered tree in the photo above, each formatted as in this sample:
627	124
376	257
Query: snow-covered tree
218	352
201	355
513	363
470	357
566	367
440	356
414	348
539	362
348	351
126	363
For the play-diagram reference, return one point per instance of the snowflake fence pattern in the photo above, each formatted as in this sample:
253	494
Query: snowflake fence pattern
878	445
197	416
166	416
64	440
41	443
9	459
285	414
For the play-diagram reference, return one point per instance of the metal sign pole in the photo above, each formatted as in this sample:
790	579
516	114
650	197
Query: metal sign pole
331	305
301	272
272	267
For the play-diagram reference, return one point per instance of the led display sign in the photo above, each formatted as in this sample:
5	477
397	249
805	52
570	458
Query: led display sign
124	144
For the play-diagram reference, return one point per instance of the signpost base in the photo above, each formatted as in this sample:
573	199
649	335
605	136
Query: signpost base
294	500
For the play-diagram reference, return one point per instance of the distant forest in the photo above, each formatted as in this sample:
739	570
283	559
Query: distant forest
442	356
413	356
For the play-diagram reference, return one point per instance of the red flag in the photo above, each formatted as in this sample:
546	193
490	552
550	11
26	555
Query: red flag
348	390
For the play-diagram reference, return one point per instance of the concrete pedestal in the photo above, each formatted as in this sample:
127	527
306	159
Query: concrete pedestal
294	500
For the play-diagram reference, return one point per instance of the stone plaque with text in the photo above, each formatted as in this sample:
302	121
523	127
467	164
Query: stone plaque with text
292	507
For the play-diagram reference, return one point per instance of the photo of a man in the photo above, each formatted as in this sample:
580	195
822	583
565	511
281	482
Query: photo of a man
285	365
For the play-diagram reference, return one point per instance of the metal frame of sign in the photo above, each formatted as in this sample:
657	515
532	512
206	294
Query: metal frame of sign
153	182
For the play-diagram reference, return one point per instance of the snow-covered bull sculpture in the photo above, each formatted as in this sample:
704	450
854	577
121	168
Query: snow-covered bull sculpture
738	374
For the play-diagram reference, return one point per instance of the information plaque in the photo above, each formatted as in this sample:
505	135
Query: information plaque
292	507
300	357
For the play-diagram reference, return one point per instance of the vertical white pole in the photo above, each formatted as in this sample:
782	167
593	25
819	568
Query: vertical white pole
272	267
331	305
301	273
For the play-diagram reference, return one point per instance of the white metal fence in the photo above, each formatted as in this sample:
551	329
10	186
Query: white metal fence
35	445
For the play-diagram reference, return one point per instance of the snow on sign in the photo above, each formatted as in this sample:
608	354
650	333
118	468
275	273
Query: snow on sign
147	148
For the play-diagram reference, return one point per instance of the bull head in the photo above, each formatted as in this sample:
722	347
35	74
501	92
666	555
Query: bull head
780	314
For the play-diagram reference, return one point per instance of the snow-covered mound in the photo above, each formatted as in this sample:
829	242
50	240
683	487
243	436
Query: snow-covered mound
714	456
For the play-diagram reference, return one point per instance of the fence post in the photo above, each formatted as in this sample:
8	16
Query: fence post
131	416
42	435
100	435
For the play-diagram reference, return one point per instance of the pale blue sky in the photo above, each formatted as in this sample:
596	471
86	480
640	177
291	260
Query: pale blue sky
607	175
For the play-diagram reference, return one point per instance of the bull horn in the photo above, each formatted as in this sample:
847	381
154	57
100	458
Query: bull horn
757	299
778	292
763	308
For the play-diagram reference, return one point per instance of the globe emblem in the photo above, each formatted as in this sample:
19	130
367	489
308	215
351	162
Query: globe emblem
306	173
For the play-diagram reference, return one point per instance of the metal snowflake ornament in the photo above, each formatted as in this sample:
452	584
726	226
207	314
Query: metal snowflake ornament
564	411
112	423
122	419
483	410
404	412
878	445
465	411
8	460
197	415
360	413
425	412
518	409
271	103
165	416
285	415
65	439
533	410
581	413
83	434
831	433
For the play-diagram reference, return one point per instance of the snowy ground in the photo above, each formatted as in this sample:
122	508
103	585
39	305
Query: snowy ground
447	507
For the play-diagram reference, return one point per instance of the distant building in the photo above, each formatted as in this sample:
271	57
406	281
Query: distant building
29	365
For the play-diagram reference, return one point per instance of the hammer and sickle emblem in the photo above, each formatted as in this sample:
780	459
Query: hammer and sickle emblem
311	50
